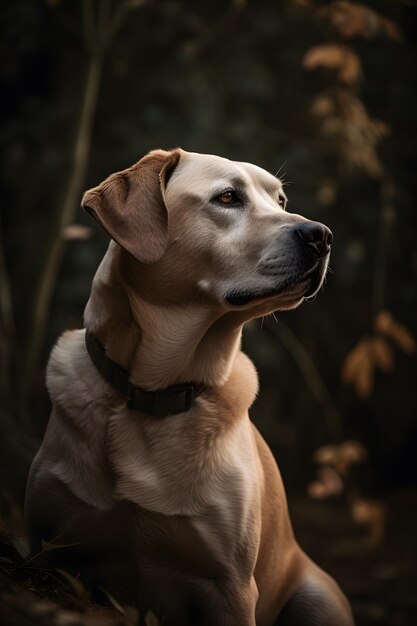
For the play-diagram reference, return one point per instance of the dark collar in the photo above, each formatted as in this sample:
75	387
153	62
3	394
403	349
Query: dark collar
169	401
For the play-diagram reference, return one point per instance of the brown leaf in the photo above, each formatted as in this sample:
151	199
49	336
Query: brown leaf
132	615
385	324
67	618
323	106
341	457
370	513
134	4
303	3
151	619
317	490
383	354
355	135
352	451
329	484
351	363
22	546
337	57
113	601
76	232
327	192
358	368
76	585
326	455
240	4
365	379
357	20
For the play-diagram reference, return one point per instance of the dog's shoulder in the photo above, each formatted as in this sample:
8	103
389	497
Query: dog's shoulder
74	445
72	380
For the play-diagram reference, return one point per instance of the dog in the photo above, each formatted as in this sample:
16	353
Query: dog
151	482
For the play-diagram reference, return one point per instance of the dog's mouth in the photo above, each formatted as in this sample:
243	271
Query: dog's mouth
239	298
312	279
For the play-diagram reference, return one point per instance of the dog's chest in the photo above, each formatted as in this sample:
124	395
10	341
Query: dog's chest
174	470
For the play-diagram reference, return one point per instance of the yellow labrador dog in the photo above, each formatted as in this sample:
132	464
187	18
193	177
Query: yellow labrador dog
151	480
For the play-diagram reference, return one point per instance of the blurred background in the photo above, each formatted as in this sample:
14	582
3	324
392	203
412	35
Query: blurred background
323	93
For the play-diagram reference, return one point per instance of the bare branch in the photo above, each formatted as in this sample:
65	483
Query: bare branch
7	327
117	20
386	217
311	376
104	13
69	207
88	24
98	41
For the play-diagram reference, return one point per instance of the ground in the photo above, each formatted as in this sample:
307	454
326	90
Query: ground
379	580
377	576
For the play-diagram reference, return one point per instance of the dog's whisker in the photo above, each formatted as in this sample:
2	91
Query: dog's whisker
282	166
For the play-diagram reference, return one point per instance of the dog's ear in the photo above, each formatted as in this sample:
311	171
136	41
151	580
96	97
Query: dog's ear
130	205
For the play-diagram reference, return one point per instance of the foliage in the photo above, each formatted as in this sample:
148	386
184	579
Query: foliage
323	87
321	91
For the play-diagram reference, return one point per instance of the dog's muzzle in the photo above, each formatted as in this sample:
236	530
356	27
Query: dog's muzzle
310	245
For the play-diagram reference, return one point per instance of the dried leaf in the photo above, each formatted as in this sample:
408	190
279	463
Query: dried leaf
132	615
385	324
370	513
151	619
303	3
383	354
326	455
134	4
358	368
76	232
113	601
240	4
357	20
316	490
323	106
341	457
335	56
329	484
352	451
76	585
67	618
5	561
47	546
365	379
21	546
355	135
327	192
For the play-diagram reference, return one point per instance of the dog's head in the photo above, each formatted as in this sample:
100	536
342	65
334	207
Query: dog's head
203	227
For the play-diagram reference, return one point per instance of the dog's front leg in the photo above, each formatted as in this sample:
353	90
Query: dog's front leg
238	604
203	602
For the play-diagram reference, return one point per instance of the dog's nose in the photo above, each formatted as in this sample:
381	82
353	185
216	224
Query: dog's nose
315	235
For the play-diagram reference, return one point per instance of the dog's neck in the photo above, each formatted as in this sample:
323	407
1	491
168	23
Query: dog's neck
160	345
181	344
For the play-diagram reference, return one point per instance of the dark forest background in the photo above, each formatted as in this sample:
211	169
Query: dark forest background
324	93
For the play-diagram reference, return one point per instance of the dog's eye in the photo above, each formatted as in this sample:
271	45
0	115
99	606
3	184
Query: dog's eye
282	201
227	197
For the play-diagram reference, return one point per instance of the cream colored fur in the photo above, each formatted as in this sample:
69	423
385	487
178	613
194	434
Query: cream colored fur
169	321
